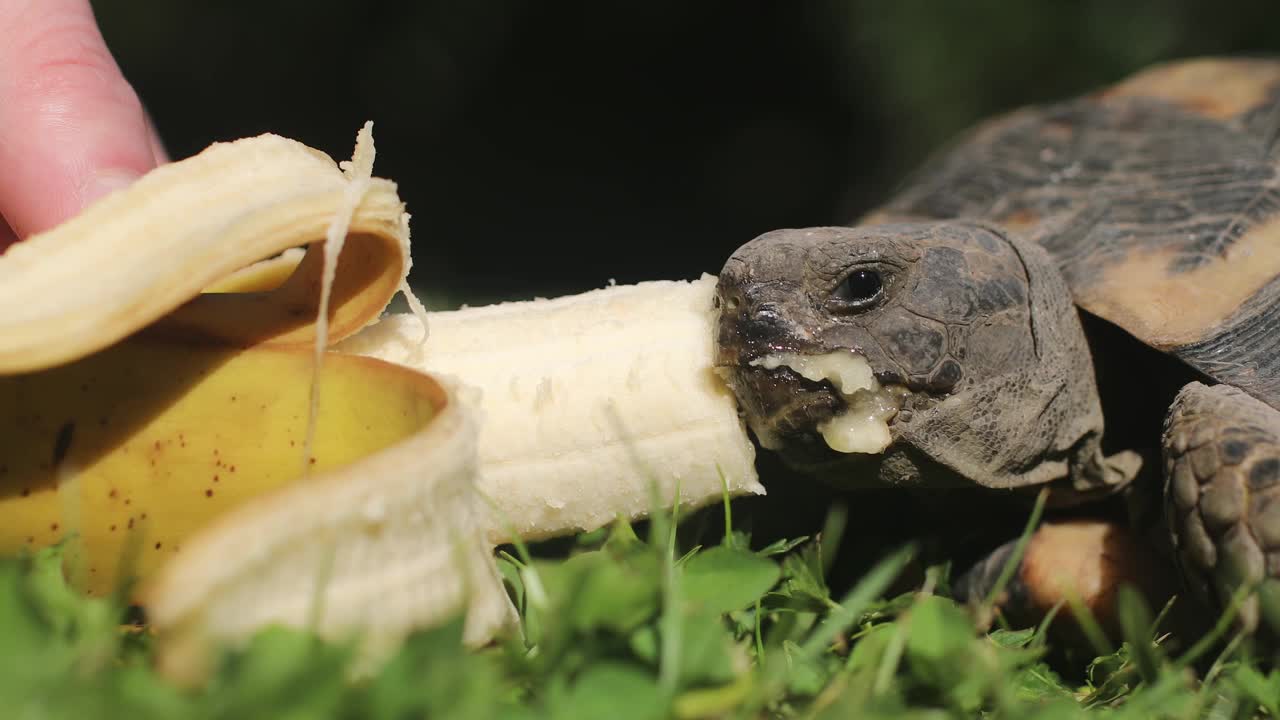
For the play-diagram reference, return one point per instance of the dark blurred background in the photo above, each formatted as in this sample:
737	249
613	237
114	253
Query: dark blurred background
547	147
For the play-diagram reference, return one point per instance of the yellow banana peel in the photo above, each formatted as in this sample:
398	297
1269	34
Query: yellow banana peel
145	254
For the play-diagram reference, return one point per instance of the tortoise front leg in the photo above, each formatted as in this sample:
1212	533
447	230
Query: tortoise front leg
1222	498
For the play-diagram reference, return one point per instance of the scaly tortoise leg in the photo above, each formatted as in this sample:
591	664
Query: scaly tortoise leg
1222	498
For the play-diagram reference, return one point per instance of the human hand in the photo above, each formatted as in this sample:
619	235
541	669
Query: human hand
71	127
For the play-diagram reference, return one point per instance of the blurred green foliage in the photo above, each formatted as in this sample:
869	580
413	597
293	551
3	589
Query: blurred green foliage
546	147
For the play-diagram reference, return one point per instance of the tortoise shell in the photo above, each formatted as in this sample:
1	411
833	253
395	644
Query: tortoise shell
1159	199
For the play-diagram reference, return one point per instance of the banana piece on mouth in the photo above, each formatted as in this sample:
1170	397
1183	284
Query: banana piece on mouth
589	402
563	413
863	427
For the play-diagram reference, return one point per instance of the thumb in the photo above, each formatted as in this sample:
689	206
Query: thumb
71	127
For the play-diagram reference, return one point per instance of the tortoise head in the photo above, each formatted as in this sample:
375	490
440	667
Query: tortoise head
936	354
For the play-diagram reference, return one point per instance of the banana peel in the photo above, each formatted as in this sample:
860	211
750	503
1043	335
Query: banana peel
165	414
194	392
146	254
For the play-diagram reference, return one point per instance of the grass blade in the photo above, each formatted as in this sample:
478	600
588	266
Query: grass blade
1135	623
1015	558
1219	630
856	601
1089	624
833	528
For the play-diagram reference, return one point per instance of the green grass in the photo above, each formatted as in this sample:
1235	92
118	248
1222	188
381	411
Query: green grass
622	627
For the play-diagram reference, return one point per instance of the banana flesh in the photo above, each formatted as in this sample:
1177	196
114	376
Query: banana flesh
590	402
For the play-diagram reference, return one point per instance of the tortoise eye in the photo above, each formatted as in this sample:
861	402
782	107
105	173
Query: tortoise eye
860	288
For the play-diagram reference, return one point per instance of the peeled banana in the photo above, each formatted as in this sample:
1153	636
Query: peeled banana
589	402
173	408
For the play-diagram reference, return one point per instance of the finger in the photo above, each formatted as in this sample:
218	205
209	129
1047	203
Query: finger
71	127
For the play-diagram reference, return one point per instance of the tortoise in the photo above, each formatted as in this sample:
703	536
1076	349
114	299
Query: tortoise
1148	210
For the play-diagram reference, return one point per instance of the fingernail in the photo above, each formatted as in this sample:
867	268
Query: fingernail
105	182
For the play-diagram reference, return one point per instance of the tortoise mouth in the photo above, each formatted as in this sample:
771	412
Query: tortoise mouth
816	406
779	404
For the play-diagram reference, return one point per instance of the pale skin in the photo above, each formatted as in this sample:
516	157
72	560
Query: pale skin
72	128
